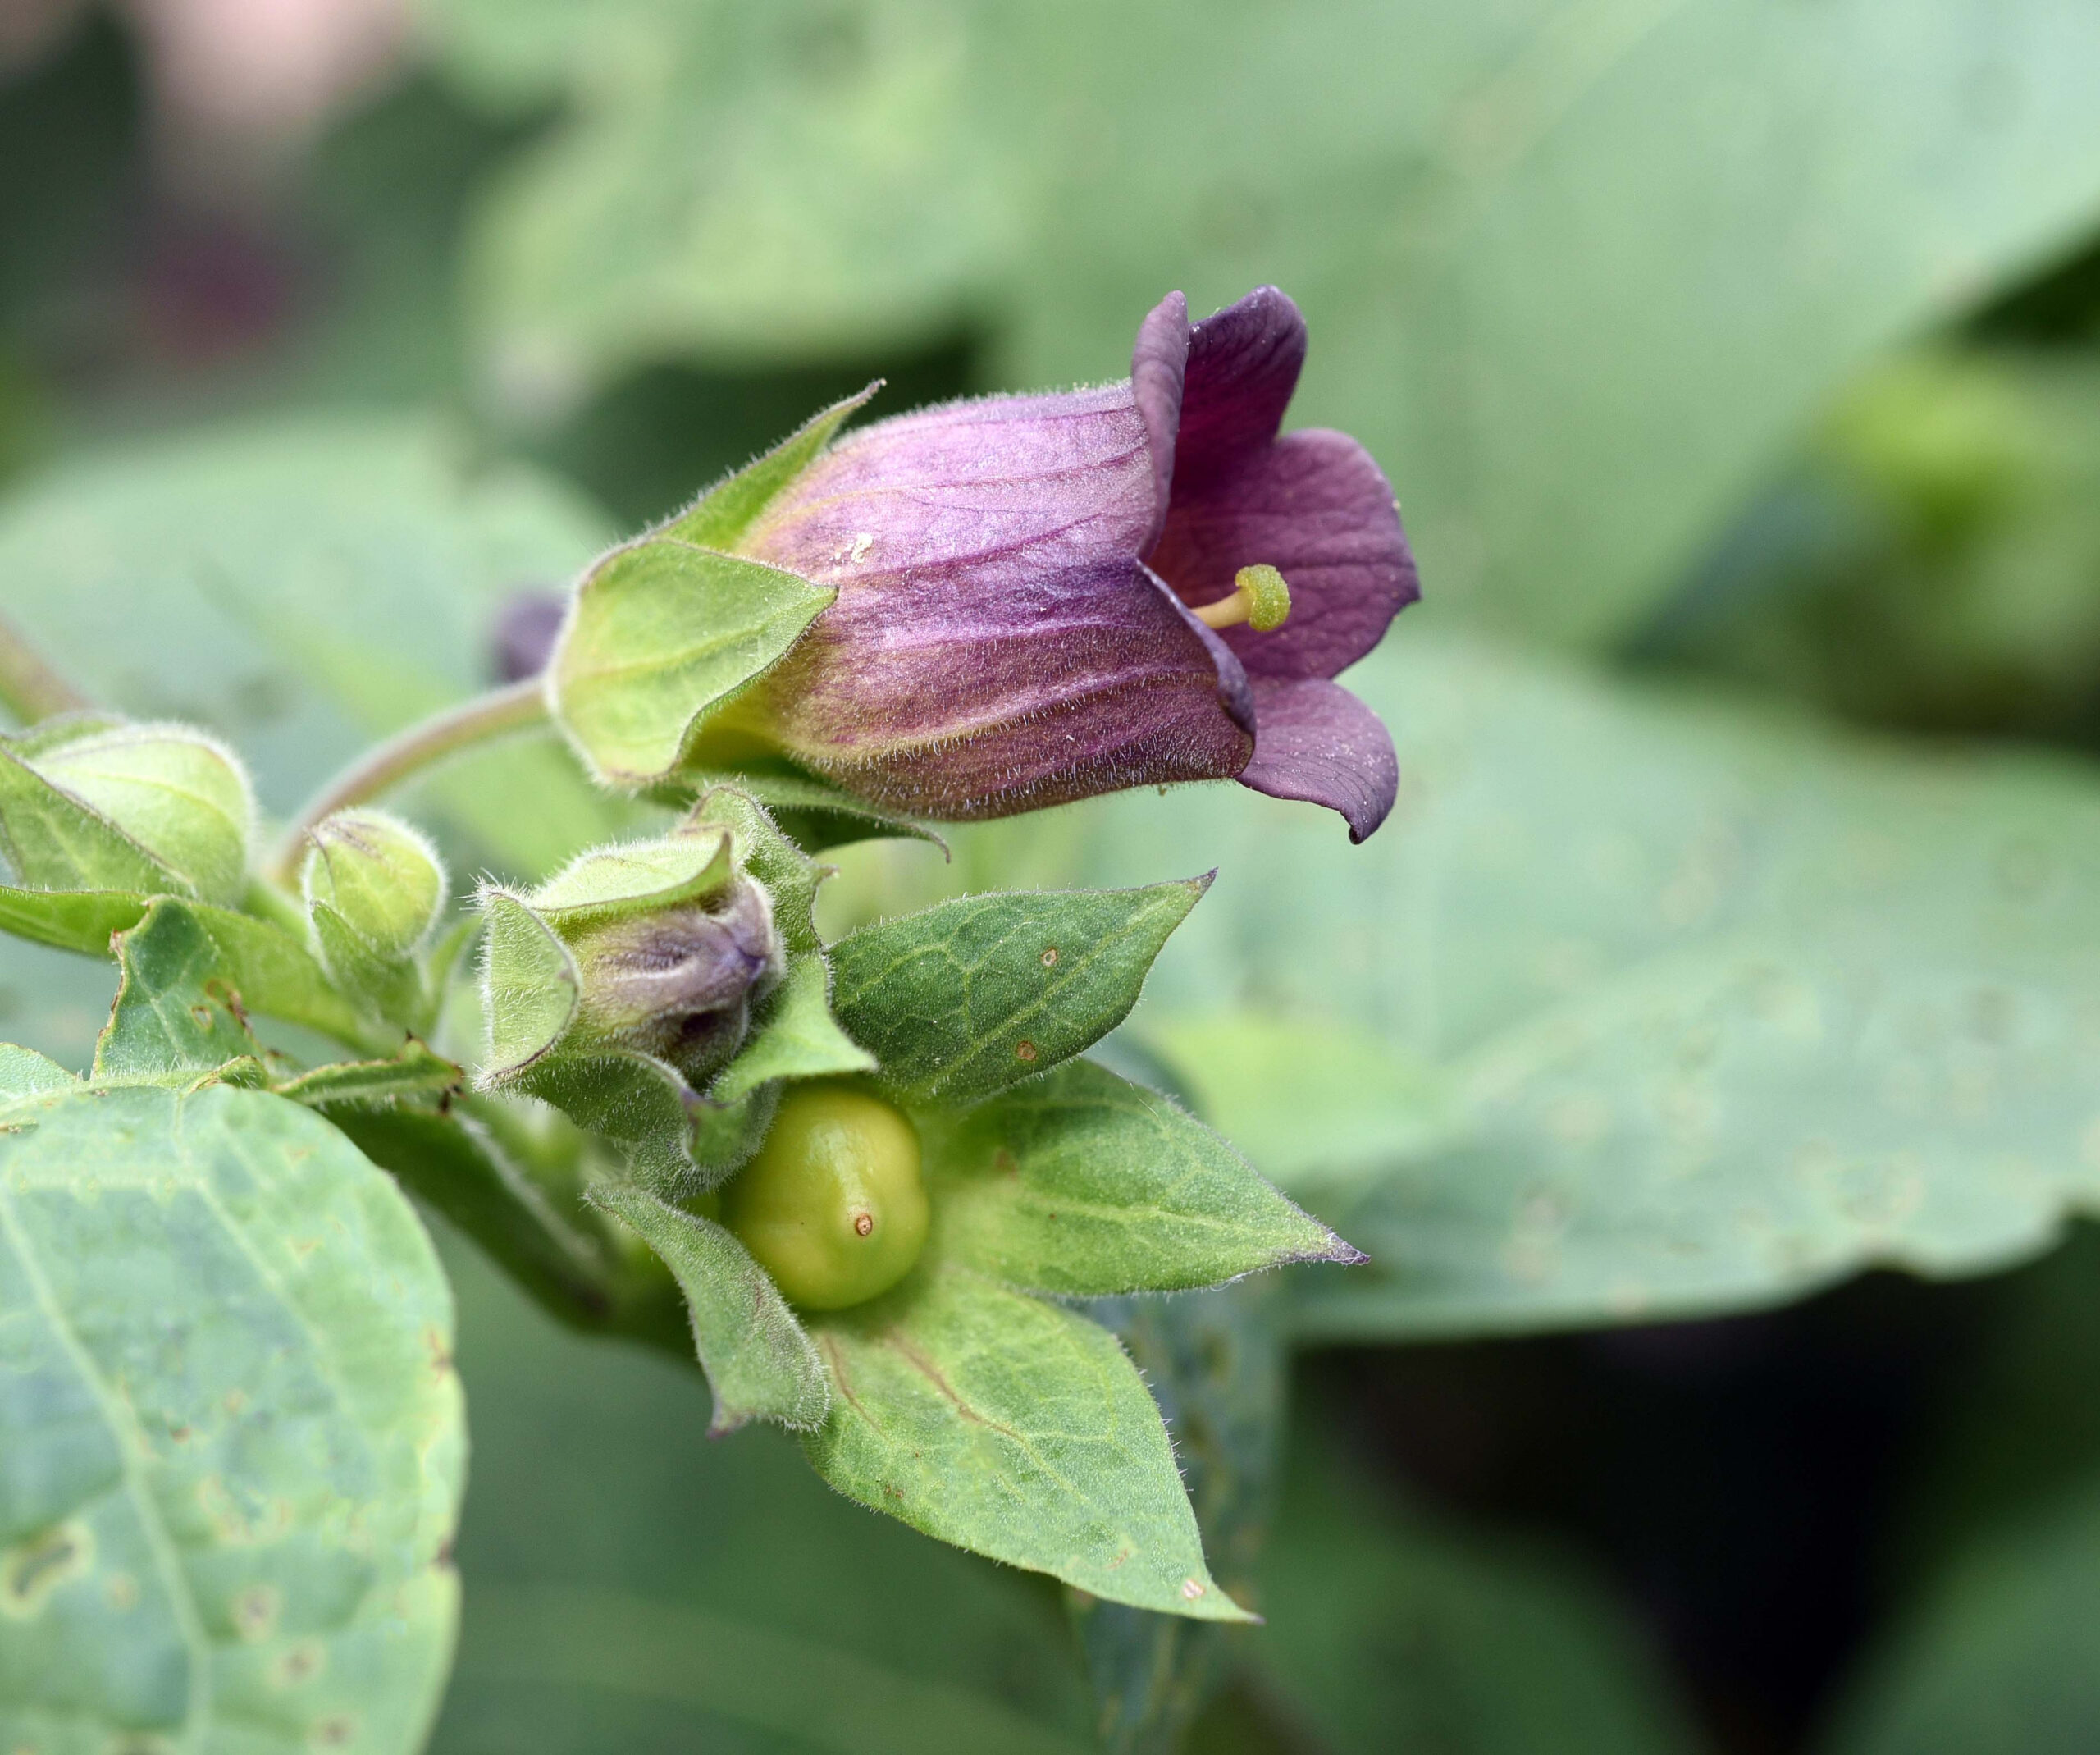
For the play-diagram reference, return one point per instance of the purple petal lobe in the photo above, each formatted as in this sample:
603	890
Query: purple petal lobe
1316	741
1316	507
1242	366
1157	363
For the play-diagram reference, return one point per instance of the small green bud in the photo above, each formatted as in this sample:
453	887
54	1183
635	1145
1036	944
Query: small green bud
379	876
832	1206
156	807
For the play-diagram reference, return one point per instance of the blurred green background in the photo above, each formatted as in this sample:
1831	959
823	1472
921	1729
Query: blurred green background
1736	939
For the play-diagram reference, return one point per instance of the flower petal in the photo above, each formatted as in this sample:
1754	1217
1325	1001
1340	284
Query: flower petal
1316	507
1059	687
1157	364
1314	740
1242	366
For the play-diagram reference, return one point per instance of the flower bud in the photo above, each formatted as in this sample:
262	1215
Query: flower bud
832	1206
96	803
678	984
657	950
378	875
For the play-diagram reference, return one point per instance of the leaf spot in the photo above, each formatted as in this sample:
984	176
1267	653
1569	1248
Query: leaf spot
255	1612
31	1571
302	1663
1024	1049
334	1733
1050	957
1191	1589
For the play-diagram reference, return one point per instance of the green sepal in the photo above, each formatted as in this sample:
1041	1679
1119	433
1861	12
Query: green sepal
90	803
795	1038
813	813
760	1362
1084	1184
640	1104
530	985
967	998
720	517
1014	1429
661	632
417	1071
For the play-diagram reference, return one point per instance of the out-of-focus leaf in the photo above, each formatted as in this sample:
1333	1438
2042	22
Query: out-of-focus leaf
300	586
1575	270
632	1585
1729	1006
2003	1653
1088	1184
233	1435
966	999
1386	1632
1015	1429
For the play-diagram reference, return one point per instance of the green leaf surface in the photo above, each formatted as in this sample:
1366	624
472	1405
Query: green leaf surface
971	997
1729	1005
1015	1429
1390	1631
176	1014
26	1073
69	920
795	1036
759	1364
1086	1184
2003	1653
718	1596
660	632
234	1434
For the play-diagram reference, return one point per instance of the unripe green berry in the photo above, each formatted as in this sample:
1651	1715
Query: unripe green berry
832	1206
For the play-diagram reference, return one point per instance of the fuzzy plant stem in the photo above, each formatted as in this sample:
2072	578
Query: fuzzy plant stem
380	769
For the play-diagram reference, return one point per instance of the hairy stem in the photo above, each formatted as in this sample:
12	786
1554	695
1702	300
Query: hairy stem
29	688
497	714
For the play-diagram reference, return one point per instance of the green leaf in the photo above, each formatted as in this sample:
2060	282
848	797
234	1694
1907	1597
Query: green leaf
1316	1102
26	1073
641	1104
1086	1184
81	920
417	1071
234	1433
1015	1429
720	1596
1728	1006
660	632
276	976
721	515
2002	1653
968	998
793	1037
759	1364
1387	1630
176	1014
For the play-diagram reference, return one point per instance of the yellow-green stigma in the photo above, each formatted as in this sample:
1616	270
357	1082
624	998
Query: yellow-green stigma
1260	599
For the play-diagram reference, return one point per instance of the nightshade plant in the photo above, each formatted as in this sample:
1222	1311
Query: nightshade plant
862	1182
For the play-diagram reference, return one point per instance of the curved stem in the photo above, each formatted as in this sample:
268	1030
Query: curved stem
497	714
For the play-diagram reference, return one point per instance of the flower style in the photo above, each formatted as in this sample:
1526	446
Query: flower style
1039	597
